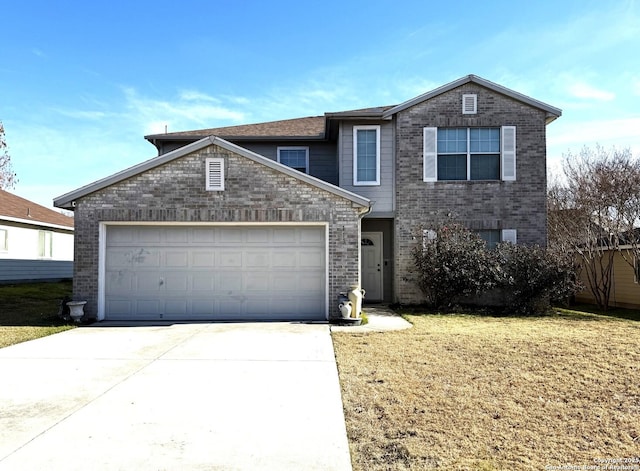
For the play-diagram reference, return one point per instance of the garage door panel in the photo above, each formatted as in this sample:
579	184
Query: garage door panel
203	258
177	259
230	259
215	272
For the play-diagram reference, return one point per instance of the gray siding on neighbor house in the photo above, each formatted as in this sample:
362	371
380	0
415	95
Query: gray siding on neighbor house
382	196
14	270
254	193
323	156
519	204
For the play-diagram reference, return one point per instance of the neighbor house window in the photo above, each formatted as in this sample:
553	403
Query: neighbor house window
636	269
4	240
469	154
294	157
366	155
45	244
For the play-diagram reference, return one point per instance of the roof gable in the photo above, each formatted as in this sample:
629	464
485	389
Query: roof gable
17	209
552	112
67	200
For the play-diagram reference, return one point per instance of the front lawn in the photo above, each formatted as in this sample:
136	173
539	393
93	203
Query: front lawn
29	311
491	393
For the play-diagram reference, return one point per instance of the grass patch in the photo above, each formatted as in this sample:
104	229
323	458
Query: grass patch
29	311
492	393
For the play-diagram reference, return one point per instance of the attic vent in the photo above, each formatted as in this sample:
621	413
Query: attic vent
469	104
215	174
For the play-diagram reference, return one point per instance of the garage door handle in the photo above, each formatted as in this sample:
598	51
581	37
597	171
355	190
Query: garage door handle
161	281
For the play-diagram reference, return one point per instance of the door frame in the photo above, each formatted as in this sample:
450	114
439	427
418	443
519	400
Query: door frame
381	260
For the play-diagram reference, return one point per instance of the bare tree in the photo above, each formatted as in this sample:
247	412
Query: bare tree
7	175
593	213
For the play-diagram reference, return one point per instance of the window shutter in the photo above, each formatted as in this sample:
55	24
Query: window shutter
508	153
215	174
430	157
469	104
510	235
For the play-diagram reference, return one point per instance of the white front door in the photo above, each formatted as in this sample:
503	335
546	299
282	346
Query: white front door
371	250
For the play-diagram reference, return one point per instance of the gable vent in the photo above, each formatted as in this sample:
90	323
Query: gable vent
469	104
215	174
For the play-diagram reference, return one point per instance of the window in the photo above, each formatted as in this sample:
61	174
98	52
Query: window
494	236
45	244
294	157
366	155
4	240
215	174
636	270
469	154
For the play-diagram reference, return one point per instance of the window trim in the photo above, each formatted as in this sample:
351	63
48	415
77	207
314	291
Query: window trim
304	148
4	240
367	127
45	244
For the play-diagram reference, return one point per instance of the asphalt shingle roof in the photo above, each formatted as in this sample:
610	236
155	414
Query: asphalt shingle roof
13	206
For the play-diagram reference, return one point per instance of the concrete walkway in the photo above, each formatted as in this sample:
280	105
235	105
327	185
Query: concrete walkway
173	397
381	319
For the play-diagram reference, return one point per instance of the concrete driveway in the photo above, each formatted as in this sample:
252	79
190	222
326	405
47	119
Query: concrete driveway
173	397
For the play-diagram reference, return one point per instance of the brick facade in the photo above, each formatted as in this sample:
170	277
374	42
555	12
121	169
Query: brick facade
254	193
519	204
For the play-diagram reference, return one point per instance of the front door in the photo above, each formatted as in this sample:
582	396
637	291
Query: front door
371	267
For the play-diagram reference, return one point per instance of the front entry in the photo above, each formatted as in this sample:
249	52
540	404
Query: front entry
371	265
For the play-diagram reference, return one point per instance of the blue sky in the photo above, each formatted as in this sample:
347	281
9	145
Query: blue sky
82	82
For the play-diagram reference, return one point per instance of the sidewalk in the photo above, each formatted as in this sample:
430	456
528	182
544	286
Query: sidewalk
381	319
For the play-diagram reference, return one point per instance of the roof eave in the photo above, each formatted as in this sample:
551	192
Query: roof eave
552	111
67	201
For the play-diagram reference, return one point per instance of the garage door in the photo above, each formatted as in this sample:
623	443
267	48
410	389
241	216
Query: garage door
216	273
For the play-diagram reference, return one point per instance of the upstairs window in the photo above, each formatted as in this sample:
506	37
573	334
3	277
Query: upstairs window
294	157
366	155
45	244
493	237
469	154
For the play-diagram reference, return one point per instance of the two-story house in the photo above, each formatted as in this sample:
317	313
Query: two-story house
274	220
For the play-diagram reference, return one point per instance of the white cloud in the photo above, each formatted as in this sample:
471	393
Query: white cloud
84	115
193	95
588	92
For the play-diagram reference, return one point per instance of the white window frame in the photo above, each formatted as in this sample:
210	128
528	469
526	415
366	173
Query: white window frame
306	149
357	182
214	164
45	244
4	240
508	145
469	99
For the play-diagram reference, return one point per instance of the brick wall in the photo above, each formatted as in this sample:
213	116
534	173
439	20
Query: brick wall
519	205
253	193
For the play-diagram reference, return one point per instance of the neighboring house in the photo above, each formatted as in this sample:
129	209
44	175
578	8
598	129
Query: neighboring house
625	287
36	243
274	220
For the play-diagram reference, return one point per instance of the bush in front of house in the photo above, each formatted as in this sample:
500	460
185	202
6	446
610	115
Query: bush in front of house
451	263
453	266
531	278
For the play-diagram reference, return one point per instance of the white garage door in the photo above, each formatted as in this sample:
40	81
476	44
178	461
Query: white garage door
215	272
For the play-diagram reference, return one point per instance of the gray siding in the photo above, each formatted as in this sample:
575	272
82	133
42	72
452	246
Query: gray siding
13	270
381	195
323	158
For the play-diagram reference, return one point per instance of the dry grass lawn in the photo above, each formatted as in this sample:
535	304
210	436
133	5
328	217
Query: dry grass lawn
467	392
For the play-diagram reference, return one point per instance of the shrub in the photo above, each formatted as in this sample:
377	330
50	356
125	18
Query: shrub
532	277
451	263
